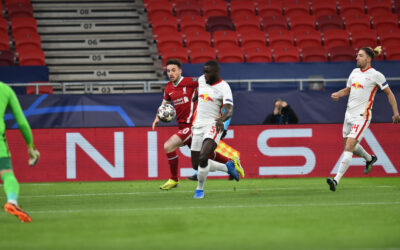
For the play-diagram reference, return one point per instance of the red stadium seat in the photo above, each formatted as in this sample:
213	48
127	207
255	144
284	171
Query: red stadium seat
357	22
286	54
258	54
202	54
242	8
159	9
296	7
31	58
197	39
324	8
341	54
251	39
215	8
187	8
4	41
388	21
361	38
216	23
23	25
269	8
3	25
314	54
164	25
31	90
27	42
329	22
230	55
270	23
169	40
378	7
225	39
11	2
192	23
6	58
389	37
351	7
247	23
334	38
302	23
19	10
177	52
392	52
308	39
283	38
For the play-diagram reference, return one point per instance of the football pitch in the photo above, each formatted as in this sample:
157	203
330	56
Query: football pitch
364	213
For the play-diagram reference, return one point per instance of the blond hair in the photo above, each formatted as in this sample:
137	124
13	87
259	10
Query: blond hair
372	52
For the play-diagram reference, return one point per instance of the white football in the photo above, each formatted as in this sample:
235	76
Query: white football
166	112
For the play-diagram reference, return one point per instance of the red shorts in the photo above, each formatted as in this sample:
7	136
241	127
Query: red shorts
185	133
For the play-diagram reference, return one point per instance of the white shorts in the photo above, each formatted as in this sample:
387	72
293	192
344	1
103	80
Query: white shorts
200	133
355	126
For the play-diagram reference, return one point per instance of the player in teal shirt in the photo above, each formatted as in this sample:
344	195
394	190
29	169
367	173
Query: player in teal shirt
9	100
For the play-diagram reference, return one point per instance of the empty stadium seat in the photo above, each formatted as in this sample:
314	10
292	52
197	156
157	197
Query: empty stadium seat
192	23
216	23
31	90
341	54
361	38
27	42
176	52
225	39
329	22
389	37
31	58
251	39
197	39
283	38
164	24
23	25
10	2
169	40
323	8
3	25
230	55
351	7
286	54
296	7
392	52
247	23
4	41
242	8
187	8
269	8
215	8
308	39
333	38
270	23
19	10
301	23
388	21
314	54
202	54
378	7
159	9
6	58
357	22
258	54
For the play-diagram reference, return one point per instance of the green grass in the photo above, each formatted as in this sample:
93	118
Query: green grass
364	213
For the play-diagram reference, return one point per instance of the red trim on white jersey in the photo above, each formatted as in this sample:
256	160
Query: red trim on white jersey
366	69
220	80
368	110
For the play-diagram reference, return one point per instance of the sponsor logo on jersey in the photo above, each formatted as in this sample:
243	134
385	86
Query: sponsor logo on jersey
357	85
206	98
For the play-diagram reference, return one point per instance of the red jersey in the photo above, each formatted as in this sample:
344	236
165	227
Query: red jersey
181	96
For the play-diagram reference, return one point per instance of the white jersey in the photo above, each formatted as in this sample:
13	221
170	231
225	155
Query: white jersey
211	100
363	86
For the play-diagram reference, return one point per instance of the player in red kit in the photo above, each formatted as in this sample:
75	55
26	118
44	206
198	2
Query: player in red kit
180	91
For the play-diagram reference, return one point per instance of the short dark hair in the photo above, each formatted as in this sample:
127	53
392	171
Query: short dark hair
174	61
213	64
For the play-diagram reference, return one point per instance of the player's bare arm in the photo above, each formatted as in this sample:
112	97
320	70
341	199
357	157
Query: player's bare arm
393	103
228	114
341	93
157	120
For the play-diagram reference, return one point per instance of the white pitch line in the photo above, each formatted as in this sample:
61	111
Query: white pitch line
215	207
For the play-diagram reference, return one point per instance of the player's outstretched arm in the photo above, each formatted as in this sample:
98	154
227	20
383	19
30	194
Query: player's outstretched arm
341	93
155	122
393	103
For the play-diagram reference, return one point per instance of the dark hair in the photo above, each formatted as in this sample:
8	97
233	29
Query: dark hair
372	52
174	61
213	64
278	100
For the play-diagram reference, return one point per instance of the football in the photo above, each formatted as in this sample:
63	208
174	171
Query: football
166	112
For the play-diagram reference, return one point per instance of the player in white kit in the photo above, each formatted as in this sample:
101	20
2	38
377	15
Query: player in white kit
362	86
213	95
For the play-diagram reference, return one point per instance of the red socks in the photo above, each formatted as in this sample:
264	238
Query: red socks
173	165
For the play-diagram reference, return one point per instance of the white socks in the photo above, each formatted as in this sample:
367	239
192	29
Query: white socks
344	165
217	166
360	151
202	176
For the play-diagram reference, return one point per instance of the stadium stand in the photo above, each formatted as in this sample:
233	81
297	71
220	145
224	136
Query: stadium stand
389	37
251	39
270	23
269	8
351	7
216	23
341	54
258	54
197	39
164	24
4	41
296	7
385	21
329	22
323	8
225	39
6	58
286	54
280	38
240	8
301	23
308	38
31	57
333	38
202	54
357	22
214	8
378	7
192	24
247	23
187	8
19	10
392	52
176	52
361	38
314	54
230	55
